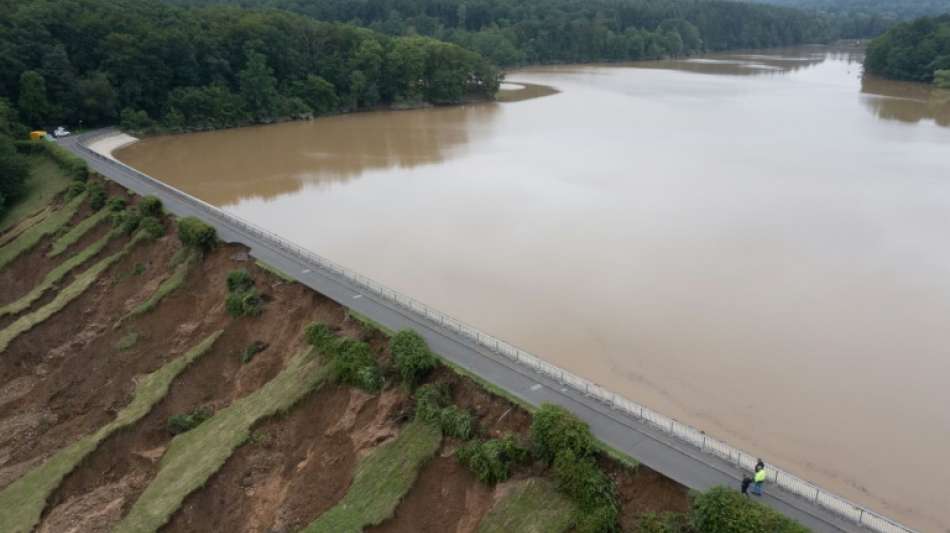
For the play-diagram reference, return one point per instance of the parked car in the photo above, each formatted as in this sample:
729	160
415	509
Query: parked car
60	132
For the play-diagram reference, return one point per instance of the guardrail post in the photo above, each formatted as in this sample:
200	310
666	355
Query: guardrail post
861	517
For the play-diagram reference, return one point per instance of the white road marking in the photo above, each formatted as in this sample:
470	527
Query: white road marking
305	271
536	387
358	296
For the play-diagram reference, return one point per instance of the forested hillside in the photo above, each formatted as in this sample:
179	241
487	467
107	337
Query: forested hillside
850	19
92	62
913	51
545	31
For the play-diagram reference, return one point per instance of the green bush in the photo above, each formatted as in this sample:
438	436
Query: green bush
599	520
582	480
126	222
243	299
152	227
116	204
196	234
185	422
320	336
97	196
252	349
75	189
554	429
353	363
594	492
244	303
722	510
74	166
151	206
239	280
456	422
433	407
412	356
430	399
491	460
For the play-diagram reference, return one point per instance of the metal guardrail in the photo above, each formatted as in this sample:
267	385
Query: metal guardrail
682	432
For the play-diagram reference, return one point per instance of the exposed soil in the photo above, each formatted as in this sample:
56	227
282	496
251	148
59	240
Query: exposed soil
296	467
25	271
643	491
117	472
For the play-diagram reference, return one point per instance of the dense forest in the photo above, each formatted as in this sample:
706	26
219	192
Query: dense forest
914	51
511	32
852	19
93	62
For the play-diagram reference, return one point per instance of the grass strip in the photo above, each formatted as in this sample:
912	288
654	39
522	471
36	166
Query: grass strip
29	238
25	224
45	181
532	506
58	273
22	502
173	282
73	235
71	292
381	481
193	457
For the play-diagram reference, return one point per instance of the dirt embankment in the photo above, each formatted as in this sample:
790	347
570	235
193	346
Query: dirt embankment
71	373
114	475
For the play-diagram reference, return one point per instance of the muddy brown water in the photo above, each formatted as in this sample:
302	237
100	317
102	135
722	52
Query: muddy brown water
753	243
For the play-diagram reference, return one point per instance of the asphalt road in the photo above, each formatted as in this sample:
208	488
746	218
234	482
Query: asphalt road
674	459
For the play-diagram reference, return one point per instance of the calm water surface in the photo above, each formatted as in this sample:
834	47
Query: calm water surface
756	243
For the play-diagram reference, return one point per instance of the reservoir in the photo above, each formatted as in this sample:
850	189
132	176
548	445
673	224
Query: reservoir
757	244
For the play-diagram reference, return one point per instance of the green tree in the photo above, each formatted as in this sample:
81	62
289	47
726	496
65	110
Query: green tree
942	79
13	172
317	93
34	107
259	88
135	121
97	99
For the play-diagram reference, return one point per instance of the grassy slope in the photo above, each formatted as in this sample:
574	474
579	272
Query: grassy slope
533	506
22	502
71	292
45	182
29	238
54	276
381	481
195	456
25	224
168	286
73	235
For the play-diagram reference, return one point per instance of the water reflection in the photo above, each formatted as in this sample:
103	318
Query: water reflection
906	102
267	161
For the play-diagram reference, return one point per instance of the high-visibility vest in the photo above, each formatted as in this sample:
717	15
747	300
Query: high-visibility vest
760	476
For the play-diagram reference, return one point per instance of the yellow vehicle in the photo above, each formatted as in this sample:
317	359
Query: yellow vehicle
38	134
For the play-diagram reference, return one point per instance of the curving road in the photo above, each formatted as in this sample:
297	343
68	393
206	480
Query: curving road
672	458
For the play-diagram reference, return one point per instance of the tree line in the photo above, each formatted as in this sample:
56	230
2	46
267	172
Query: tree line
858	19
148	64
915	51
513	32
